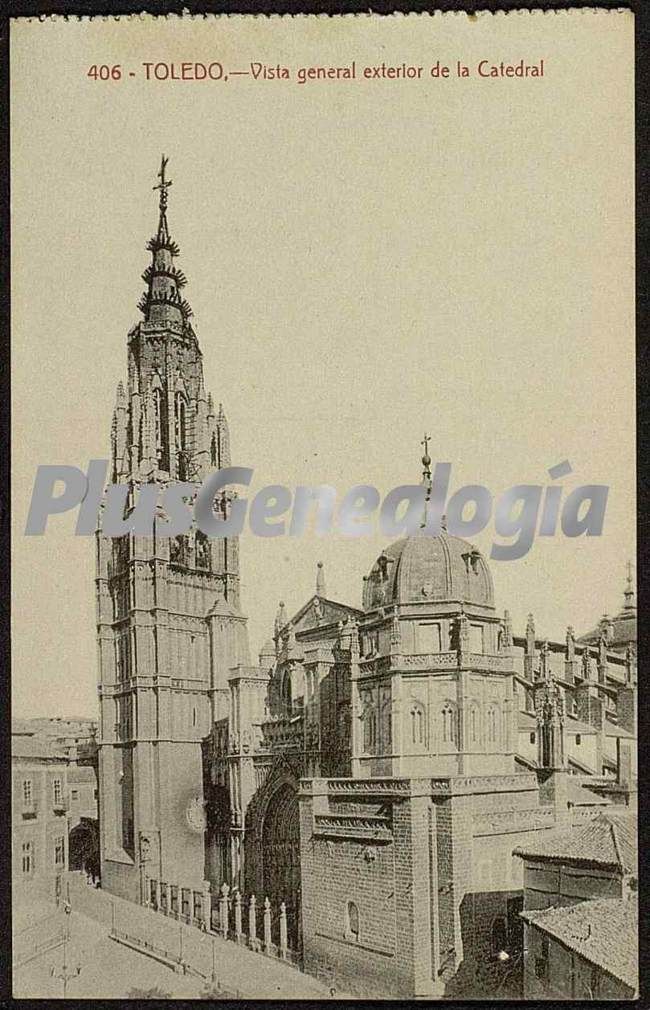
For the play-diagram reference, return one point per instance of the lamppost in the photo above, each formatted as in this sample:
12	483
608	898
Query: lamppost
66	975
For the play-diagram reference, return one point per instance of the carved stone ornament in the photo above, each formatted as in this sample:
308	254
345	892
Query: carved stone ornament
195	815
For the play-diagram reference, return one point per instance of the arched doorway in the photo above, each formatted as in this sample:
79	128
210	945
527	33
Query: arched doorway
83	848
281	857
217	847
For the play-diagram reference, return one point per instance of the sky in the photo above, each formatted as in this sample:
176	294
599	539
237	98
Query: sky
365	262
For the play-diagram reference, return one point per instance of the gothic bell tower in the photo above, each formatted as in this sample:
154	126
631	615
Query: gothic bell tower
157	676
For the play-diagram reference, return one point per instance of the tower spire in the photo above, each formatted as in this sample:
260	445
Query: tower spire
162	302
629	589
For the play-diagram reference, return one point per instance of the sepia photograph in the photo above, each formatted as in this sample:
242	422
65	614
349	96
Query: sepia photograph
324	616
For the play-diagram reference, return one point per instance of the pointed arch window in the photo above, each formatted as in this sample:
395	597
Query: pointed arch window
417	725
213	451
449	724
287	694
158	416
202	551
160	428
493	728
180	416
474	724
369	730
386	724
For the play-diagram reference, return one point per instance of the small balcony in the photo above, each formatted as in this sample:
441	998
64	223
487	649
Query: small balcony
60	806
29	811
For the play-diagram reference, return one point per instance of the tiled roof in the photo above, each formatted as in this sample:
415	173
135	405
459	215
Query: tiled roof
608	839
604	931
34	747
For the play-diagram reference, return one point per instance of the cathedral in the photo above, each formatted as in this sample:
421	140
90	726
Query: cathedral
375	770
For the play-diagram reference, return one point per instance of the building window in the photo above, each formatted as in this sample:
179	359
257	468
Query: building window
532	738
449	724
352	922
27	793
58	792
28	858
181	435
202	551
473	722
492	724
476	644
417	725
74	794
428	638
578	739
369	730
59	852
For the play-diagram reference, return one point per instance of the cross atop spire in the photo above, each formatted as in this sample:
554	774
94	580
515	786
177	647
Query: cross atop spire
426	477
163	186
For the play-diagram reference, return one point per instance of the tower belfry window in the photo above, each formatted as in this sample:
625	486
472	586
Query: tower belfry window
181	434
160	430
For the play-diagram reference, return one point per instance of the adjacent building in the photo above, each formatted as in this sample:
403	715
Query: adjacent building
581	912
39	821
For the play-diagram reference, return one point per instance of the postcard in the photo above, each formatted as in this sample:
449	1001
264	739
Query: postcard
324	595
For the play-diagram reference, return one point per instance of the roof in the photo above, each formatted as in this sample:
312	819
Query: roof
576	726
623	631
580	795
611	729
604	931
527	721
34	747
608	839
321	612
422	569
